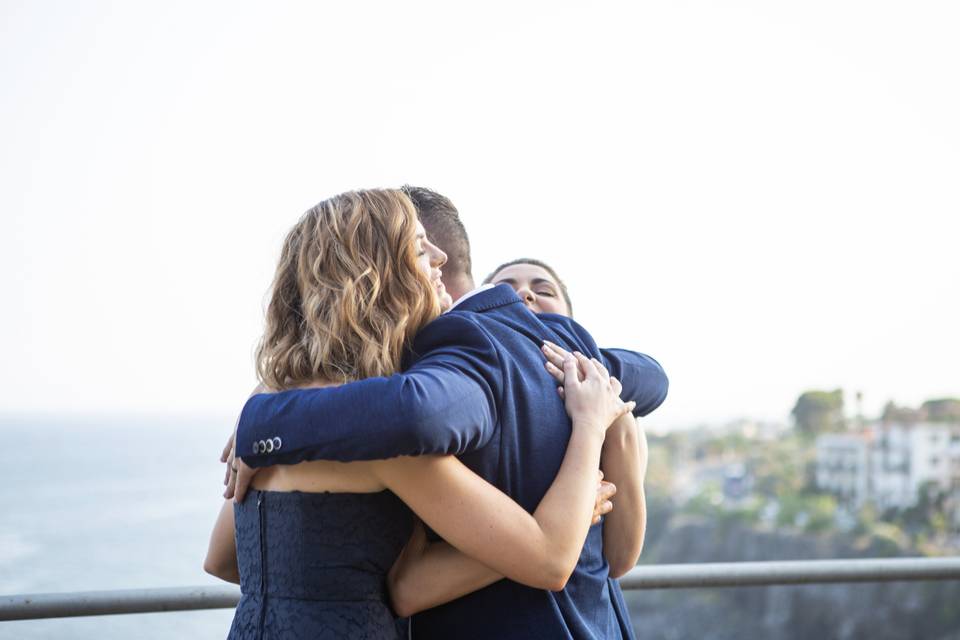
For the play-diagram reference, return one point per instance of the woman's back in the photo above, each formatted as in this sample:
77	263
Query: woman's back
314	565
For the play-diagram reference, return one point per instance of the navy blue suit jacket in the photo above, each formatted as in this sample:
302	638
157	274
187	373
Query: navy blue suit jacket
474	386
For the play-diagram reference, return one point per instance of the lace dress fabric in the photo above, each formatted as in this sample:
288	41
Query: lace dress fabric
314	565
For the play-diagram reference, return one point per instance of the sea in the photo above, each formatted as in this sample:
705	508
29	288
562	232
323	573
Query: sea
110	502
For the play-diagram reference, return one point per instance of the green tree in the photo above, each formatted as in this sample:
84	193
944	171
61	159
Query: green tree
822	512
942	410
924	516
902	415
818	411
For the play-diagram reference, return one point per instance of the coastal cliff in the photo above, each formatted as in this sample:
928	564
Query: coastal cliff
879	611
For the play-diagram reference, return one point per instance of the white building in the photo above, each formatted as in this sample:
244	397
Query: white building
843	466
889	463
907	457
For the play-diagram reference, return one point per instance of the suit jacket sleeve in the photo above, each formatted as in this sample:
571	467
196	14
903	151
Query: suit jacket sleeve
446	403
643	379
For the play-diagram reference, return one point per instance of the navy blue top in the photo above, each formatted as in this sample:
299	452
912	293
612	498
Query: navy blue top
474	385
314	565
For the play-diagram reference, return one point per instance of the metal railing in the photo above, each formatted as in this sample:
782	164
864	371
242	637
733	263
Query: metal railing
783	572
670	576
102	603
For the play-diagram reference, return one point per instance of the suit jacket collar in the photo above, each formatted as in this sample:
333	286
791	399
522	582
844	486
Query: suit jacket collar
470	294
499	296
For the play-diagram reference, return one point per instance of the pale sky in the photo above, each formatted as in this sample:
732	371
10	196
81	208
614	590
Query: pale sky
762	195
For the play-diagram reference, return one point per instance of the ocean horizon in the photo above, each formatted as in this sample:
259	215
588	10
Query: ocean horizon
110	502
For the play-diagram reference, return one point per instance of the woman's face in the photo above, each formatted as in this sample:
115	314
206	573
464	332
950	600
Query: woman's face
535	286
429	259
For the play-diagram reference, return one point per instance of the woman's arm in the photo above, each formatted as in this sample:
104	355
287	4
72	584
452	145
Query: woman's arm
540	550
221	560
428	574
624	461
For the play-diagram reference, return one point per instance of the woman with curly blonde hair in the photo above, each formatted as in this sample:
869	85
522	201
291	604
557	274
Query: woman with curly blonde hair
312	544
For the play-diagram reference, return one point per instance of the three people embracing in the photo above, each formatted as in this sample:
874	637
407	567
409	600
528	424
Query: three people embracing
395	392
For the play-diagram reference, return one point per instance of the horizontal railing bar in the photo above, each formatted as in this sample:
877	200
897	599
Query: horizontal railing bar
785	572
100	603
670	576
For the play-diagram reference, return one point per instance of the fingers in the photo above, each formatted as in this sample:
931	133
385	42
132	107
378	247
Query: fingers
227	448
231	483
559	365
628	407
607	507
607	490
227	456
229	460
585	365
570	374
556	355
603	506
558	352
553	353
602	370
605	375
554	371
554	363
617	387
243	477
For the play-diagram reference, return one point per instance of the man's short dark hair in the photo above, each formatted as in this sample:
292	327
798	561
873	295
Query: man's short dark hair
442	222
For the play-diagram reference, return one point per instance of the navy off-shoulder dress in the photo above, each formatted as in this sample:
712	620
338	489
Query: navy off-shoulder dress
314	565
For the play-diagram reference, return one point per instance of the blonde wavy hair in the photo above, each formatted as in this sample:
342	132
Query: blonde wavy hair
348	296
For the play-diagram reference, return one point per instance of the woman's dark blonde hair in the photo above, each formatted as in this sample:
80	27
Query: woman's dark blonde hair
348	295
